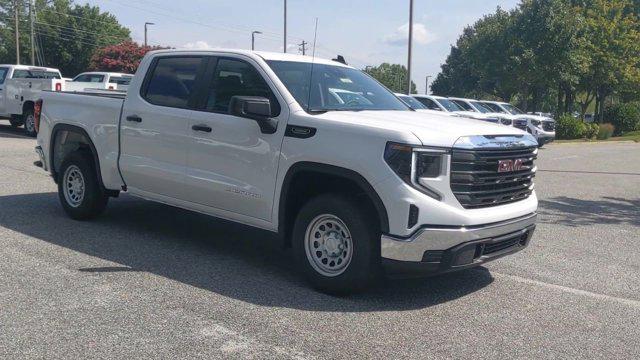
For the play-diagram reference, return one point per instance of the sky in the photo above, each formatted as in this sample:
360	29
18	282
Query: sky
365	32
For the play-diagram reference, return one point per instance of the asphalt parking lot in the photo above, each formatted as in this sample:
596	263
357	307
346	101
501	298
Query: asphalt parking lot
150	281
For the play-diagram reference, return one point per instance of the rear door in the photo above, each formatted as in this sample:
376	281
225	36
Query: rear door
232	165
154	123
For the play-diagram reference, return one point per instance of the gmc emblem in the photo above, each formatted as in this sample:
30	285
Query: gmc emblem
510	165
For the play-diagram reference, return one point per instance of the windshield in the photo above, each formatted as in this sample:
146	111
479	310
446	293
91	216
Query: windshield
512	109
413	103
481	107
3	74
494	107
334	88
449	105
464	105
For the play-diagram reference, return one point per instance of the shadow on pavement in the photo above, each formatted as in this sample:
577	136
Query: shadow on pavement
219	256
8	131
577	212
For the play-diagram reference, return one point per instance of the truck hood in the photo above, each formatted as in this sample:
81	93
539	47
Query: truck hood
431	129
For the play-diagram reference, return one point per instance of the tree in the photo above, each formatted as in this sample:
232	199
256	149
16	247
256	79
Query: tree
393	76
124	57
66	34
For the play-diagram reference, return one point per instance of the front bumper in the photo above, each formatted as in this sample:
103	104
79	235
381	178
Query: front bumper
434	250
545	137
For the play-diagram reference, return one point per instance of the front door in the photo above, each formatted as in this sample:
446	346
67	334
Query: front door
231	165
154	136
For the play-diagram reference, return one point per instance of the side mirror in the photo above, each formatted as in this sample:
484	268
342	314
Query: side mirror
255	108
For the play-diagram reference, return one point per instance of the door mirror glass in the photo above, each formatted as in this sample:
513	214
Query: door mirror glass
255	108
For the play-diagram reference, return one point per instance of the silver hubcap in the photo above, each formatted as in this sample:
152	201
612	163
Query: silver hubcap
73	186
328	245
29	123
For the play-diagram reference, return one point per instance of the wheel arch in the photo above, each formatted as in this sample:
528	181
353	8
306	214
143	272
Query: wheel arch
84	142
320	173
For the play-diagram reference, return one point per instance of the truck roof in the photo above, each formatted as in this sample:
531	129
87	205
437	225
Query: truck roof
266	55
29	67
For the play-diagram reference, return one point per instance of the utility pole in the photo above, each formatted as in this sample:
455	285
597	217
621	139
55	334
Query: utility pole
285	26
253	39
145	32
410	43
32	11
17	30
303	47
426	86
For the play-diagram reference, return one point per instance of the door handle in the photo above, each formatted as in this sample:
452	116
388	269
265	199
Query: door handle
203	128
134	118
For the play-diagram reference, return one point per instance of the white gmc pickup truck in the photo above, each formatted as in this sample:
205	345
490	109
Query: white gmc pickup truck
353	186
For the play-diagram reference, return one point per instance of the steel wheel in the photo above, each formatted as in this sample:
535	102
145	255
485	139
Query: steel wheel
30	123
73	186
328	245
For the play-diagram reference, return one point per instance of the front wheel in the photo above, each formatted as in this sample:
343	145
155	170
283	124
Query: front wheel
30	123
79	191
336	244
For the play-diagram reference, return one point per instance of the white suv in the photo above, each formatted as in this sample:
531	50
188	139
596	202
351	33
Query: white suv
542	127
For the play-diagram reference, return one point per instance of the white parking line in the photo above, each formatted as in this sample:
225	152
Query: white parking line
566	157
628	302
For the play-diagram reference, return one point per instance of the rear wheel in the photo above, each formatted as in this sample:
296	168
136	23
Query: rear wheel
79	191
30	123
336	244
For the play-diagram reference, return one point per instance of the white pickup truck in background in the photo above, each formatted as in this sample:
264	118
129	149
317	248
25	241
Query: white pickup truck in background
354	184
99	80
20	87
543	128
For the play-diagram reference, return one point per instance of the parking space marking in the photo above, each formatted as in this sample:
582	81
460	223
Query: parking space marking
522	280
566	157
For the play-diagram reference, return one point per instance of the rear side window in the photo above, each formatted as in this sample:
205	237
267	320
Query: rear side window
92	78
3	74
172	81
237	78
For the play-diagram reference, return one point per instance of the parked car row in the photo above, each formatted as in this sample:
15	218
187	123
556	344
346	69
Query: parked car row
541	127
21	86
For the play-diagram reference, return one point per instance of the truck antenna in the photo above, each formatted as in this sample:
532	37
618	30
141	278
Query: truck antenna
313	59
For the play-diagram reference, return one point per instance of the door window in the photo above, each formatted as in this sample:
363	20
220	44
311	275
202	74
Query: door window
172	81
237	78
3	74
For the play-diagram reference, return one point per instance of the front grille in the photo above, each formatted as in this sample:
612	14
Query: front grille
520	124
549	125
476	182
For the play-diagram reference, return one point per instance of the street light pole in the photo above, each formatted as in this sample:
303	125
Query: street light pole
33	42
145	32
253	39
17	30
410	43
285	26
426	87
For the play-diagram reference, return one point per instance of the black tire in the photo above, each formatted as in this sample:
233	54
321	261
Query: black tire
93	200
29	123
364	265
16	121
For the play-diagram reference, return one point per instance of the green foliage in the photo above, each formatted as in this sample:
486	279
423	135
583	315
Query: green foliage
625	117
591	130
67	34
605	131
568	127
393	76
548	53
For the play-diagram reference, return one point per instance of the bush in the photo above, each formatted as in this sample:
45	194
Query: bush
606	130
568	127
624	117
591	131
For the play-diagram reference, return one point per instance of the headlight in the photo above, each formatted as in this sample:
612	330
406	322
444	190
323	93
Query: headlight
414	163
506	122
536	123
